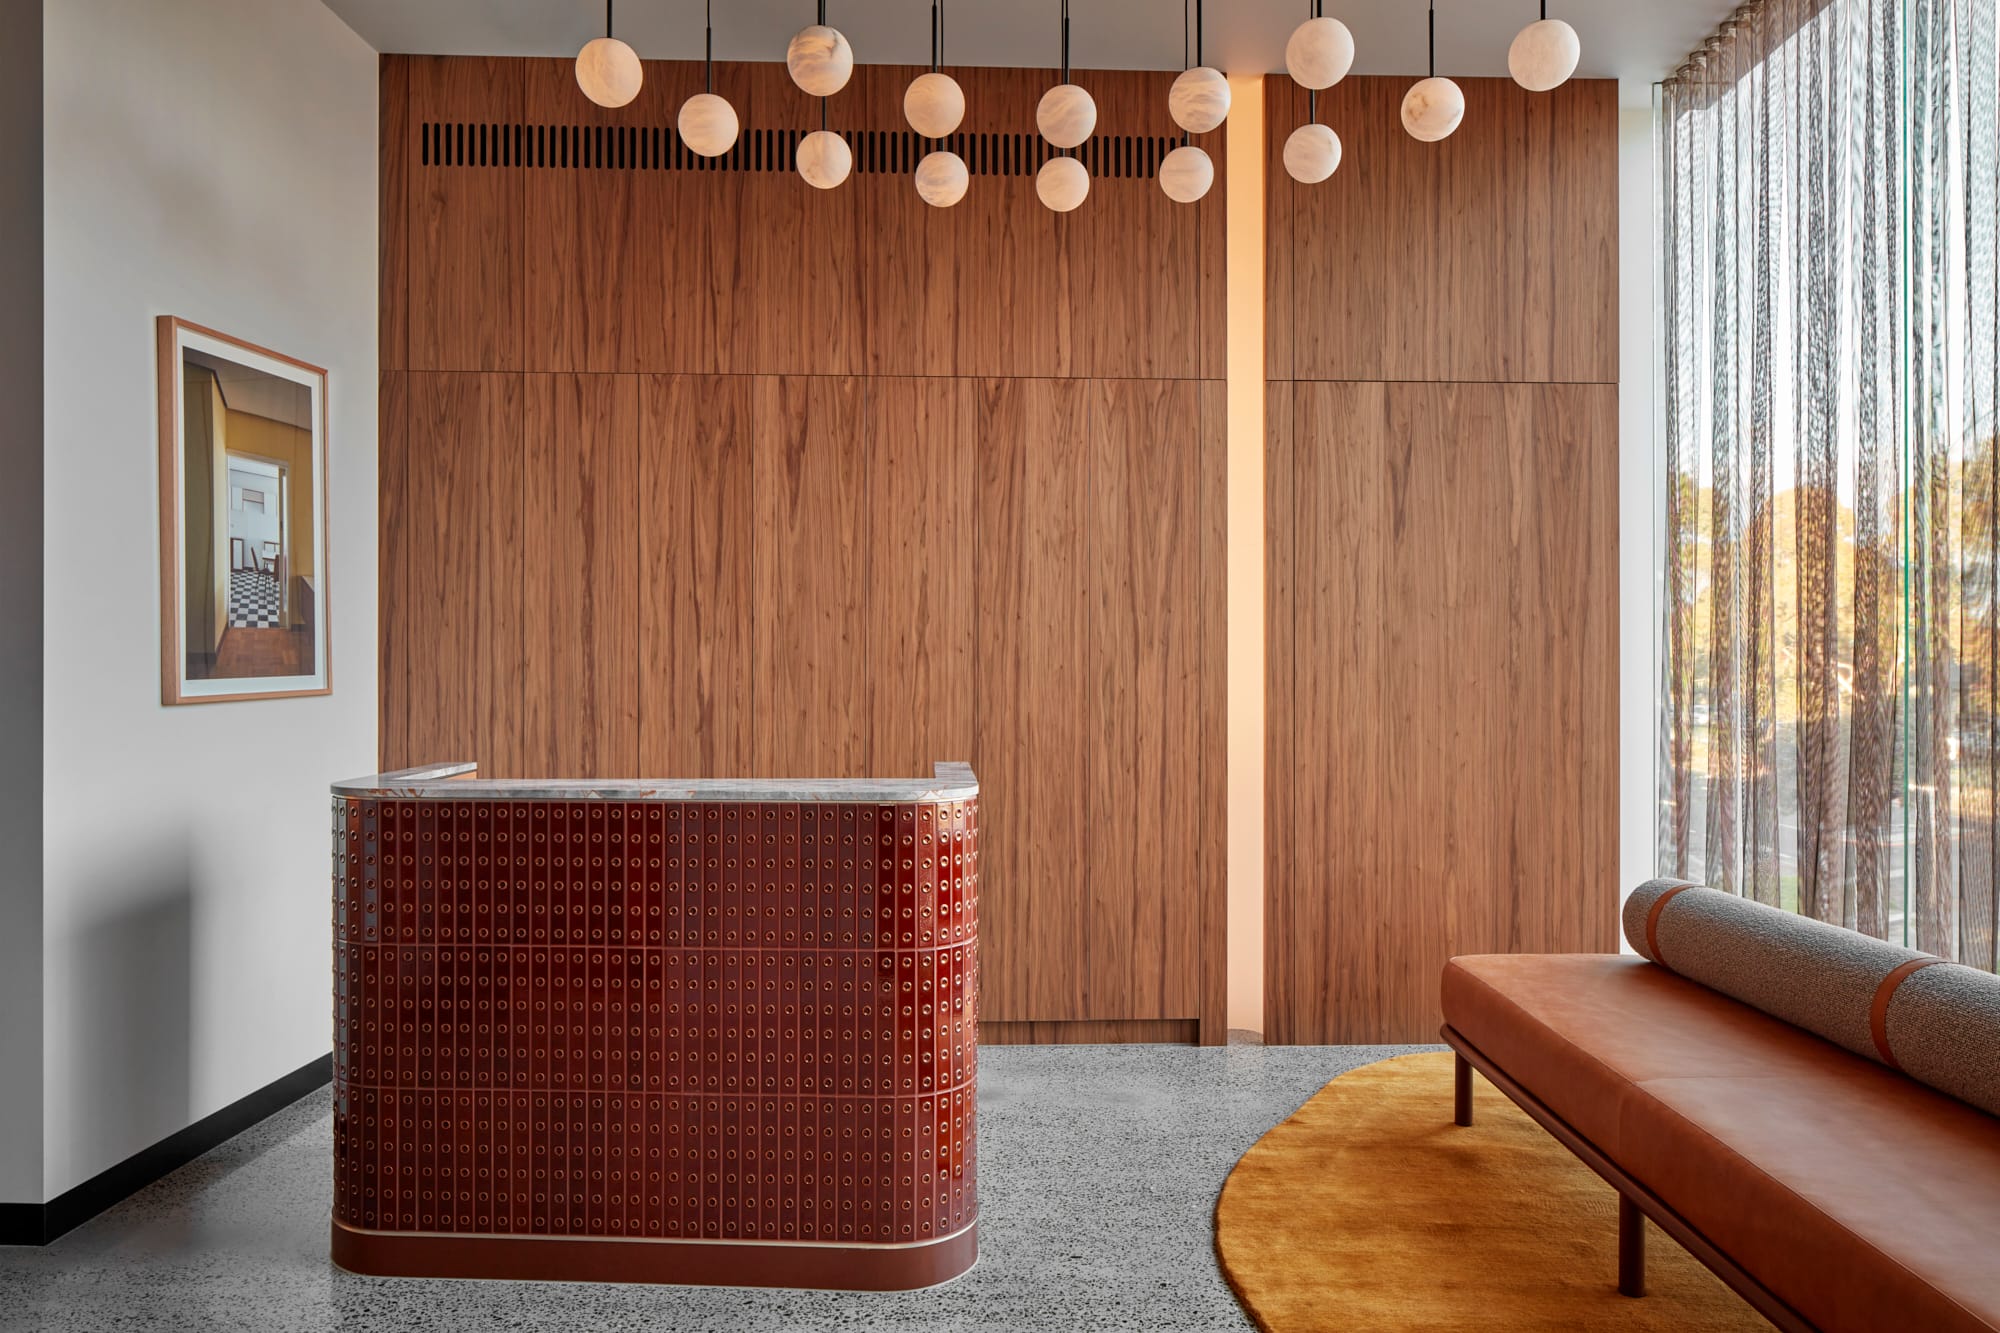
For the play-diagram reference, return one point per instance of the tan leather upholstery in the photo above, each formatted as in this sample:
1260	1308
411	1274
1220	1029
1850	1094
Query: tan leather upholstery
1933	1019
1859	1197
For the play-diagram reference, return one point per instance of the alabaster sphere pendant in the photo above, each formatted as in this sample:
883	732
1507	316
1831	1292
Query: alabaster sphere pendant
1186	174
608	71
1312	153
708	124
824	159
1544	55
942	178
1319	53
934	104
1066	115
1432	109
1063	183
820	60
1199	99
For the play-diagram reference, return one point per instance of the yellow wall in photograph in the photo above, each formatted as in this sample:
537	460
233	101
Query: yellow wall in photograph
205	487
261	437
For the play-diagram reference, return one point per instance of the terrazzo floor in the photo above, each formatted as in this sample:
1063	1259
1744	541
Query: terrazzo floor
1099	1166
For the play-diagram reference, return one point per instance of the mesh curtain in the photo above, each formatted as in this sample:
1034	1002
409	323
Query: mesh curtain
1829	258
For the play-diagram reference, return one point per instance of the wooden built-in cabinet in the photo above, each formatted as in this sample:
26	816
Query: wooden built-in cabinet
689	469
1441	518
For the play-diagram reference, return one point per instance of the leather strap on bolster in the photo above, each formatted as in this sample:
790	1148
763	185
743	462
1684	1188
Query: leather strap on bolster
1653	921
1878	1012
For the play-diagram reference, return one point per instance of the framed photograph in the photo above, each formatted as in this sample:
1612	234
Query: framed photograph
243	560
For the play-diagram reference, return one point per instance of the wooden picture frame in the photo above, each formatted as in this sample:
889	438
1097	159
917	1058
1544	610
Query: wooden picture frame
260	415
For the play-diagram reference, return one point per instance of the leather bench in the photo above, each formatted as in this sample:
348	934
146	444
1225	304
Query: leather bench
1830	1191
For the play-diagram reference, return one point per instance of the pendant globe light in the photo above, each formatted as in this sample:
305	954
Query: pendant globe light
824	159
1067	114
1312	153
1319	55
821	62
942	179
1186	174
707	122
1544	54
607	69
1319	52
1433	107
1199	99
1063	184
819	58
934	105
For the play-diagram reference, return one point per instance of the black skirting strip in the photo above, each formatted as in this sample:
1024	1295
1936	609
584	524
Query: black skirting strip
40	1223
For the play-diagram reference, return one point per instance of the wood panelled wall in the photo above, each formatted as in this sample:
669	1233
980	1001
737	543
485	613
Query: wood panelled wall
694	470
1441	550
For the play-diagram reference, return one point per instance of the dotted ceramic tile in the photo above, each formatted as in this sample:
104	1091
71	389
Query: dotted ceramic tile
721	1021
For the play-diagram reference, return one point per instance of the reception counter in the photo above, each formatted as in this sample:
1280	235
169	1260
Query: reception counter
705	1031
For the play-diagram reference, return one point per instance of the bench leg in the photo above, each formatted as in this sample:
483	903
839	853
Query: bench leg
1461	1090
1631	1248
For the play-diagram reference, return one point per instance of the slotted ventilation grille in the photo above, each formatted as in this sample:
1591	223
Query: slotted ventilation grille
657	148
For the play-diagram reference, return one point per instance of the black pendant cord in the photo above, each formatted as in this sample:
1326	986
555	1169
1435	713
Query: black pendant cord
1184	54
708	57
1434	39
1315	9
607	18
937	37
1065	41
1198	26
1063	10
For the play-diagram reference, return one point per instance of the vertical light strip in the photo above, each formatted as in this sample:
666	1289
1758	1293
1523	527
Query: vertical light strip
1244	278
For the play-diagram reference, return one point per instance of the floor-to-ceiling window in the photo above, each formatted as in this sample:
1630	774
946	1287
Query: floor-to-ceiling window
1829	735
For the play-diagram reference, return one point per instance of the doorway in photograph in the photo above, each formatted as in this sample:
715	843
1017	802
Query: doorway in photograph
242	519
256	543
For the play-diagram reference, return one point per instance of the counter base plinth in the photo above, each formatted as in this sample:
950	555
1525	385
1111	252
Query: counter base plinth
703	1263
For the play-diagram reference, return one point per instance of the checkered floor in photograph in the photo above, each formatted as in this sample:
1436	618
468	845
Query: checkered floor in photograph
254	602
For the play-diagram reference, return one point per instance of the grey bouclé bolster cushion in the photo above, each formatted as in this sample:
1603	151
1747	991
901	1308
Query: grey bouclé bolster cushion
1936	1021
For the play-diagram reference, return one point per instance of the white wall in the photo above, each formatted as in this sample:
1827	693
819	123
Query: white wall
213	159
21	603
1638	536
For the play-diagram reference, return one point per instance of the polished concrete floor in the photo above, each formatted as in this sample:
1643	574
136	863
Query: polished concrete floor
1099	1167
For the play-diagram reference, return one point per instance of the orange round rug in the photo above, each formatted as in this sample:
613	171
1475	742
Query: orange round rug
1369	1209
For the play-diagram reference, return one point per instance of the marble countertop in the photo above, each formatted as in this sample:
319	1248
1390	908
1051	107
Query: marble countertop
953	782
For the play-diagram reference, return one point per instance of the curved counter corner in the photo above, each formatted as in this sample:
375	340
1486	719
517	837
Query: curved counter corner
739	1030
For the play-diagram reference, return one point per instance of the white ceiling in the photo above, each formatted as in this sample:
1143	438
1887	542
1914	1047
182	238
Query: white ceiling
258	392
1633	41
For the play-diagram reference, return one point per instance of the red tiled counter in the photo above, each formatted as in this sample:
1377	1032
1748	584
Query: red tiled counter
708	1033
